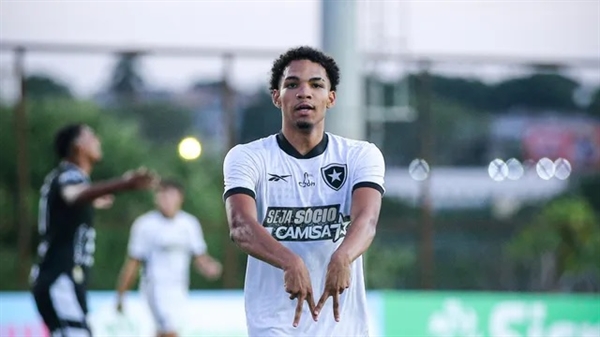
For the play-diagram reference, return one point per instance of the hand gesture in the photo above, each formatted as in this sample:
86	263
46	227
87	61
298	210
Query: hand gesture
141	178
337	280
297	284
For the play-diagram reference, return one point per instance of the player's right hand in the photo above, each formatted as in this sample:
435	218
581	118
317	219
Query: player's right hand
297	283
141	178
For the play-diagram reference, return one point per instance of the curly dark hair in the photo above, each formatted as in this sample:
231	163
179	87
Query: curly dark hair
304	53
65	138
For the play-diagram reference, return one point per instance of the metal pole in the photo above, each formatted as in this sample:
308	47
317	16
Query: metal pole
339	22
427	249
230	265
23	179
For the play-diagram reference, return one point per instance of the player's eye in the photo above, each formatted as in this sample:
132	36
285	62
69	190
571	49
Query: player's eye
291	85
317	85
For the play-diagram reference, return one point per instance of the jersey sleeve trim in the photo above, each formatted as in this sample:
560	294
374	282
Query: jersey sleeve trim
239	190
368	184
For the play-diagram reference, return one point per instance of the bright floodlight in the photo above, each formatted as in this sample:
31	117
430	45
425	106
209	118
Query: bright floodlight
189	148
515	169
545	168
418	169
563	169
498	170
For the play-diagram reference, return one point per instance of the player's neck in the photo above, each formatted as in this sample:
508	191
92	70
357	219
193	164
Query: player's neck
166	215
84	165
304	142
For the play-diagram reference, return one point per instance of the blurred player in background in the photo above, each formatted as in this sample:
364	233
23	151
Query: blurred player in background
162	242
66	249
304	204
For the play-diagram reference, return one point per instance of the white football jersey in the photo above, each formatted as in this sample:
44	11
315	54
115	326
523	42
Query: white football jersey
165	247
303	202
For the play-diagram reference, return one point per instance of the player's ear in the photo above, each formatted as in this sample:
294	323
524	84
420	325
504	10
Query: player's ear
276	98
331	99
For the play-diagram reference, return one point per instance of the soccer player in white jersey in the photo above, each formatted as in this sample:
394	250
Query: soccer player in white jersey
162	242
304	205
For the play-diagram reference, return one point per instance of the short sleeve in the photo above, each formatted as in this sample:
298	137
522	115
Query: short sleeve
139	241
240	172
369	169
197	238
72	177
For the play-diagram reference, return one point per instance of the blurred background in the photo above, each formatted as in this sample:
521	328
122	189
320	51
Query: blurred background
488	115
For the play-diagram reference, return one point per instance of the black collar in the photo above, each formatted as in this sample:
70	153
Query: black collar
289	148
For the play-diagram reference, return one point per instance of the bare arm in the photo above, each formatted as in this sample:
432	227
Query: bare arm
85	193
208	266
251	237
128	276
79	193
364	214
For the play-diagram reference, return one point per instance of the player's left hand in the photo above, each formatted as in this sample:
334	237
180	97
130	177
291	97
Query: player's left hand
337	280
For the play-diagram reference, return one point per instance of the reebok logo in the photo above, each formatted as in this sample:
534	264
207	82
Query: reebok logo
275	177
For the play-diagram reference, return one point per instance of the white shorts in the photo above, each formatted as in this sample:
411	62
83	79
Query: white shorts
168	305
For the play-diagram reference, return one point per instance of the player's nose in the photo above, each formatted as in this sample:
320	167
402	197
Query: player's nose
303	92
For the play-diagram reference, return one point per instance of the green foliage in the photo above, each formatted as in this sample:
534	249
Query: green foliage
471	93
589	187
41	86
458	132
566	228
159	122
543	91
126	81
594	107
389	266
124	148
536	91
261	118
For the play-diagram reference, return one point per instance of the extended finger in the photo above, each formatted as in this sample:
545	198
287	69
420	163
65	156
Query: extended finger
336	307
298	310
321	303
311	305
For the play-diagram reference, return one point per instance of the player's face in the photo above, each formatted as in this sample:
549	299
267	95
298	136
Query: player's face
168	200
89	144
304	95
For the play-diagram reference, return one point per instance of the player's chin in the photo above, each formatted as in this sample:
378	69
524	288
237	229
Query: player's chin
304	125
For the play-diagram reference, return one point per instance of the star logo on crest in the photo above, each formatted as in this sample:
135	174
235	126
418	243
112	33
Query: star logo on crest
334	175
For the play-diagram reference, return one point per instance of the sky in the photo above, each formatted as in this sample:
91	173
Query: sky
545	30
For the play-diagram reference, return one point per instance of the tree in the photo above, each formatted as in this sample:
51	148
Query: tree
126	82
42	86
261	118
538	91
563	241
471	93
159	122
594	107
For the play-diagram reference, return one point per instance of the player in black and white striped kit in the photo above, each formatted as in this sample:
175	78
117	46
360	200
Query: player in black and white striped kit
67	235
